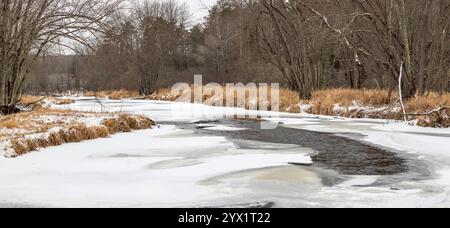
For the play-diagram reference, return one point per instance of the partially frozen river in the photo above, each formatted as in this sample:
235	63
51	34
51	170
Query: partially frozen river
197	158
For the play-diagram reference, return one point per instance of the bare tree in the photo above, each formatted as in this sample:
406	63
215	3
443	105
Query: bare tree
27	27
379	34
414	32
160	25
292	40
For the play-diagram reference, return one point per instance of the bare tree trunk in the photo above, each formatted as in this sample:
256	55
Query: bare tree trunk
409	87
400	82
4	21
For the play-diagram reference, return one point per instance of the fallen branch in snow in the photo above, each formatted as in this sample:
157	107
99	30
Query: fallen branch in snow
28	102
356	113
32	105
435	118
438	110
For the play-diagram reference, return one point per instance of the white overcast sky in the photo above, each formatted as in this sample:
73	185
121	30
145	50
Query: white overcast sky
198	8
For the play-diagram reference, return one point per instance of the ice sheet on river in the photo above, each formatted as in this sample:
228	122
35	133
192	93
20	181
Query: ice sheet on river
151	168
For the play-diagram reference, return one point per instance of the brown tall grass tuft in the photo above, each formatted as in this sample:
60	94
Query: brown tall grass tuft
9	123
113	94
126	123
61	101
70	132
89	94
427	103
19	147
432	110
121	94
80	132
347	97
114	125
289	101
77	133
324	101
39	100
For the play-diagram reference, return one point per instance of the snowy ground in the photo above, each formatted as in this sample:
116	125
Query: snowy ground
171	167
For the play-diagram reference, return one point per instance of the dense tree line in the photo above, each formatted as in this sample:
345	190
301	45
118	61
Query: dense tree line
152	45
312	41
307	45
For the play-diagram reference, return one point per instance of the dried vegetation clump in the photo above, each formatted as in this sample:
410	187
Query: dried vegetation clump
30	131
113	94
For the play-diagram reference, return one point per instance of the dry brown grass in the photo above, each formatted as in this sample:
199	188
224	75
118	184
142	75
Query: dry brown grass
378	104
61	101
73	134
30	120
289	99
324	101
71	131
427	103
113	94
436	107
364	103
24	120
126	123
89	94
9	123
163	95
38	100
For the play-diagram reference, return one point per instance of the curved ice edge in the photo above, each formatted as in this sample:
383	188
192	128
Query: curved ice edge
224	128
223	165
213	127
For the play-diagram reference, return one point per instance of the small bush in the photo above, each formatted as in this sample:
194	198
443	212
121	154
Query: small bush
19	147
116	125
112	125
101	131
127	123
